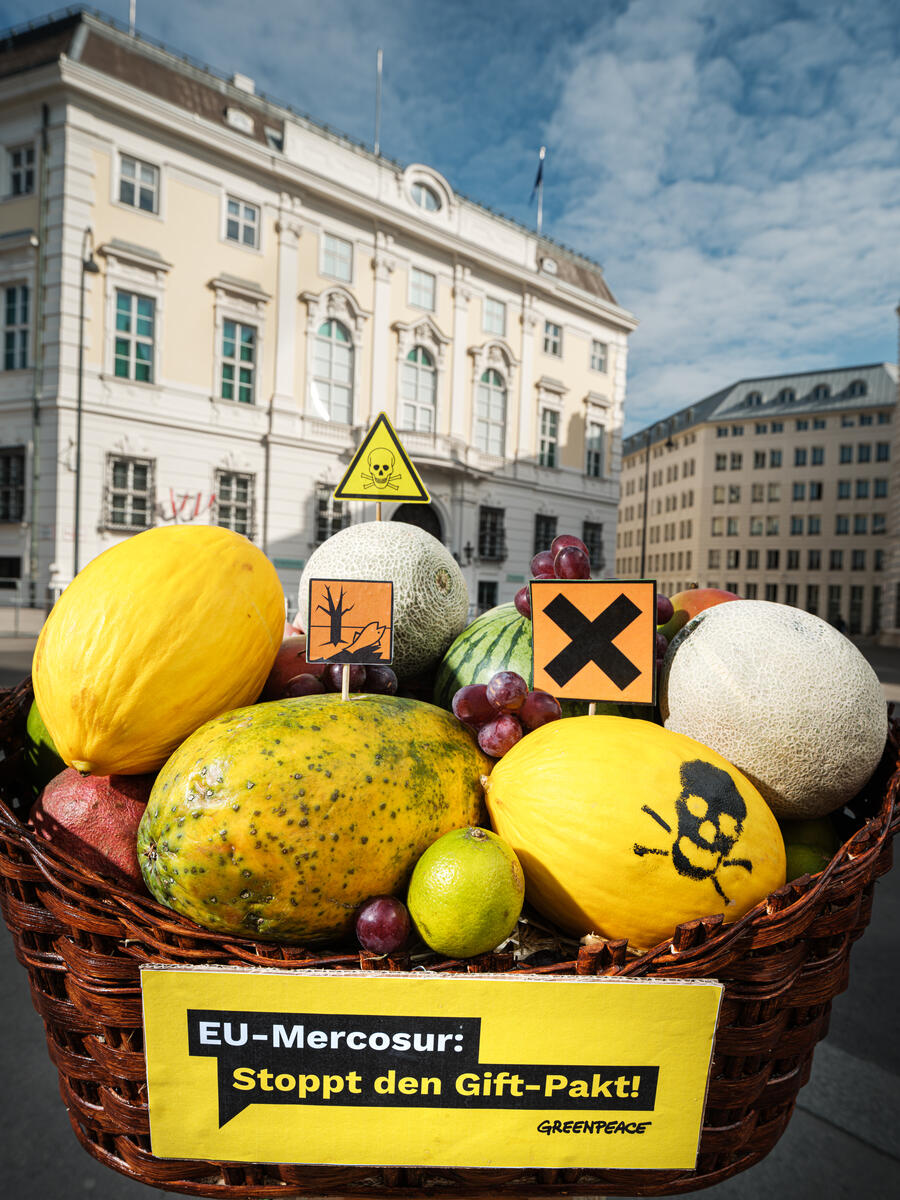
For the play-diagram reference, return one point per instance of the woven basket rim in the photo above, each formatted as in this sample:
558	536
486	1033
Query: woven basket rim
690	941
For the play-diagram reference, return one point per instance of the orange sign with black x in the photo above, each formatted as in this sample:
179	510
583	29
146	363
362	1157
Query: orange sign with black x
595	640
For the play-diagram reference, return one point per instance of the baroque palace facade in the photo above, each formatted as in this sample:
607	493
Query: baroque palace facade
778	489
225	295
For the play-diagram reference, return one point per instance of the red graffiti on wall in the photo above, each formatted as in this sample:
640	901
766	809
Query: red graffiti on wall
183	507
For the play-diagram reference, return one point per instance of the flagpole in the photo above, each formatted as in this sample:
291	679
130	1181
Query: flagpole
378	60
540	213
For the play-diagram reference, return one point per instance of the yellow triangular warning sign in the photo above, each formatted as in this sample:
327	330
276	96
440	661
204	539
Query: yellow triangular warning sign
381	470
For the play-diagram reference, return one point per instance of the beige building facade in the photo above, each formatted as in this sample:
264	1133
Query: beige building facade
225	296
777	488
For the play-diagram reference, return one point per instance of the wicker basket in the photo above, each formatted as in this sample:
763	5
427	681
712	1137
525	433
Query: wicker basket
83	939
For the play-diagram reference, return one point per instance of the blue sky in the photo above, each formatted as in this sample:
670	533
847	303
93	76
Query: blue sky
736	169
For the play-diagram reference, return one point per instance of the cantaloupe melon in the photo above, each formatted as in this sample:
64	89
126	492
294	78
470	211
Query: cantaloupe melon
431	600
782	695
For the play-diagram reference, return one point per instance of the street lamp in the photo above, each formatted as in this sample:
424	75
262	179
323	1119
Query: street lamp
88	267
670	445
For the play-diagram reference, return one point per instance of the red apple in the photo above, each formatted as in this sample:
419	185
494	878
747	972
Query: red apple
289	662
688	604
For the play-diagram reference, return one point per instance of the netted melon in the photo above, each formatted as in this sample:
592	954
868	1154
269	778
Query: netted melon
431	601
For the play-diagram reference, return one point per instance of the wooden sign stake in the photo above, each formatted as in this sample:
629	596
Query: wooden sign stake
592	708
345	682
377	510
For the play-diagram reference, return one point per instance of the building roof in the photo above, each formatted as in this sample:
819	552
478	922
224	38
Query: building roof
103	44
780	396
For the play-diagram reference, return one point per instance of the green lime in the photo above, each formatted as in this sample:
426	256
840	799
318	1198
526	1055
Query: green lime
818	833
466	892
805	860
41	756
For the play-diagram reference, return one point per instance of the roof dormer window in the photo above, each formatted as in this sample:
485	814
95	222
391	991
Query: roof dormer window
753	399
857	388
821	392
425	197
786	396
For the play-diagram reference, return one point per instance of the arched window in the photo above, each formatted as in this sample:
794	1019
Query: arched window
418	391
753	399
332	379
857	388
425	197
821	392
490	413
786	396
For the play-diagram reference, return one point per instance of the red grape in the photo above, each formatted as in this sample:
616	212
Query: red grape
334	675
302	685
522	601
507	691
542	565
567	539
499	735
381	680
382	925
539	708
665	610
471	705
662	645
572	563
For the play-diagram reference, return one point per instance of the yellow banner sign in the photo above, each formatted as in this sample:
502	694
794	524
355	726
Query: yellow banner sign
381	470
381	1069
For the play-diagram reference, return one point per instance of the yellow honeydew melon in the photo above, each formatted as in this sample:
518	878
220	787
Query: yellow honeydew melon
625	829
782	695
431	600
154	637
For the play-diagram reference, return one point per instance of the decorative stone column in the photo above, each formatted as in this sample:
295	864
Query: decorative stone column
525	442
383	267
289	228
462	294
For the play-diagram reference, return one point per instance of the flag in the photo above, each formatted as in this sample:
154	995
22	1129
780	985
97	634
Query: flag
539	178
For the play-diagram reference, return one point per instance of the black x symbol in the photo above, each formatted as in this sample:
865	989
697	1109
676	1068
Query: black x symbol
592	640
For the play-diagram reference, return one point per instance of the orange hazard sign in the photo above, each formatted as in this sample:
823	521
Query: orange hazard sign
350	621
381	470
595	640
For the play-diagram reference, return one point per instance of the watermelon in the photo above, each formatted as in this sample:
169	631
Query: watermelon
498	640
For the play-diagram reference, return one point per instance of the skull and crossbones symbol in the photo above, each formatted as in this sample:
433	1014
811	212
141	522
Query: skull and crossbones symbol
381	465
710	813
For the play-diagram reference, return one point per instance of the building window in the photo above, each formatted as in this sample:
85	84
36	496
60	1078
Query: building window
884	418
425	197
846	454
772	560
333	373
790	594
129	493
878	564
717	527
421	289
772	592
813	525
721	431
599	355
718	493
592	536
10	571
234	502
771	526
756	526
834	601
491	534
242	222
860	523
773	491
878	523
777	427
731	527
857	560
552	339
21	170
815	491
549	438
759	458
12	484
494	317
337	257
752	560
594	450
843	489
760	427
713	560
238	363
736	461
835	560
801	424
544	532
737	431
820	392
16	326
733	562
135	321
796	525
864	452
331	515
881	489
774	458
487	594
490	413
841	524
857	388
798	491
819	423
865	418
799	456
793	560
818	456
138	184
753	399
786	396
721	462
757	493
750	591
418	391
862	489
813	560
882	451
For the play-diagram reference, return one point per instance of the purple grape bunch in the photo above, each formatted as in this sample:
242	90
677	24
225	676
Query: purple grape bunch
503	710
567	558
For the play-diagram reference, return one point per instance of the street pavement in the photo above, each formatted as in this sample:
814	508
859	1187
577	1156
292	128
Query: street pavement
841	1141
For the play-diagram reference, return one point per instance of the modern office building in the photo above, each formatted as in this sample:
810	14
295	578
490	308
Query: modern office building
776	488
208	298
